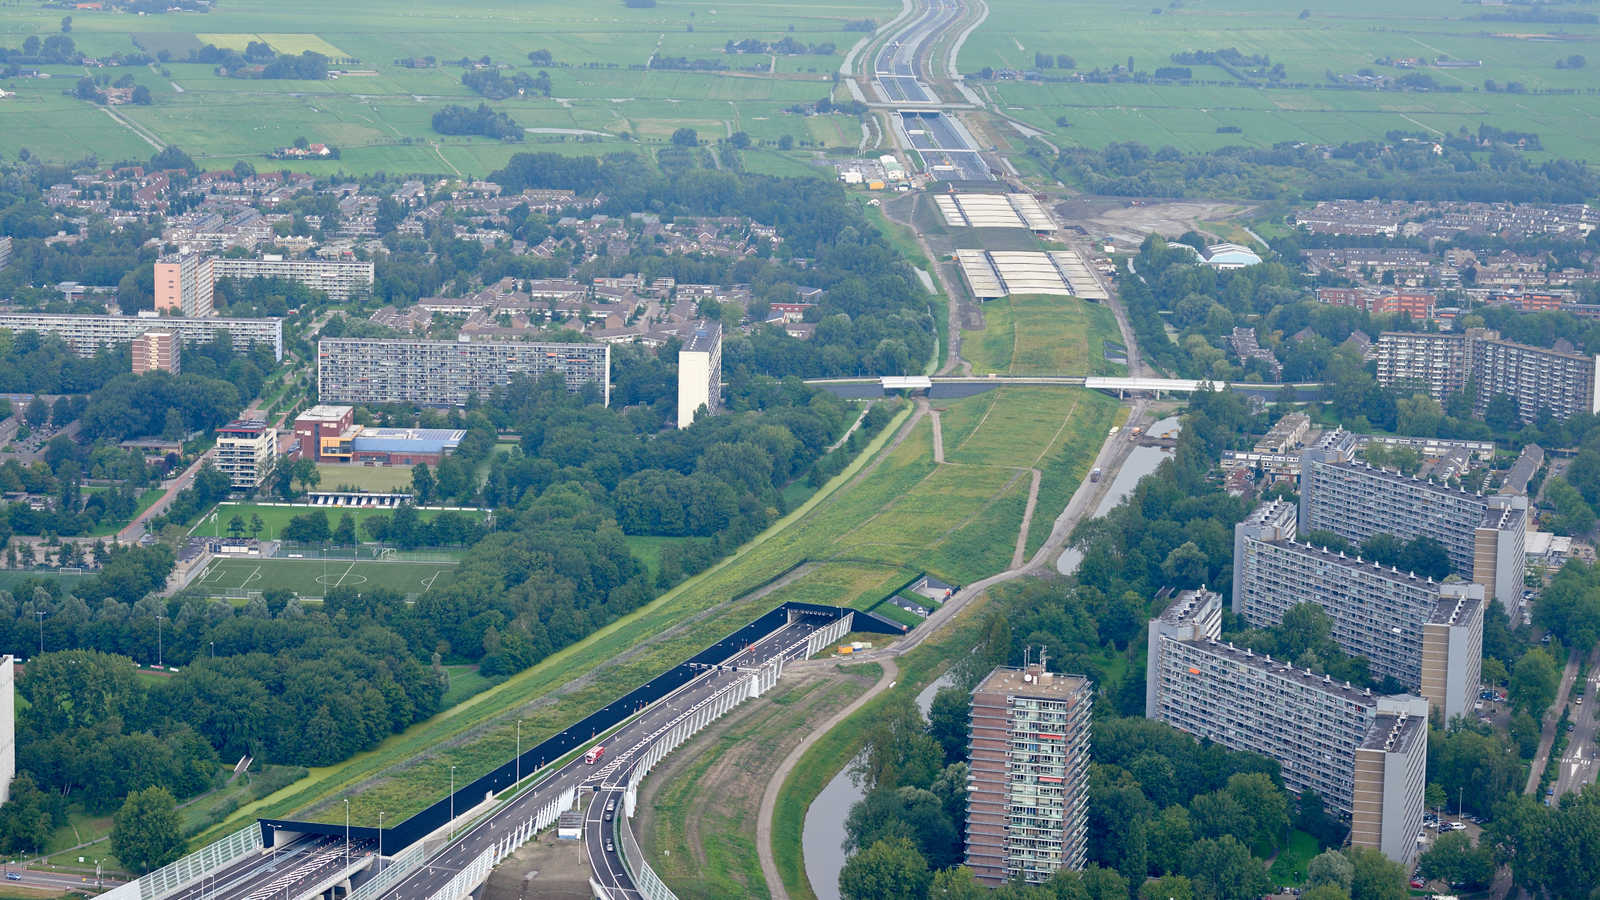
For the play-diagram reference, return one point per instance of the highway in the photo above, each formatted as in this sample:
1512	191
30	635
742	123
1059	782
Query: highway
290	870
895	68
625	744
947	150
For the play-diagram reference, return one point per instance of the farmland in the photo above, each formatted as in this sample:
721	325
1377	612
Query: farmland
1342	38
377	111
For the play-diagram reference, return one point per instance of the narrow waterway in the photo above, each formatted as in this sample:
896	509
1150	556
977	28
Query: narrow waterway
1141	462
822	838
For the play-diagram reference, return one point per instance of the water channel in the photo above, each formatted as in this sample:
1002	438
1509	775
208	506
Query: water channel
822	838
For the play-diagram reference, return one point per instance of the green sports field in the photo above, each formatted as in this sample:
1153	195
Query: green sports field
315	577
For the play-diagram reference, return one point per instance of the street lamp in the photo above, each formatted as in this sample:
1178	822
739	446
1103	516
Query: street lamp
519	751
452	804
40	614
158	641
347	832
380	842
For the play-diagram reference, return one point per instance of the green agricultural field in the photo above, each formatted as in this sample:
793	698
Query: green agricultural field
1032	334
274	518
315	577
378	112
1338	36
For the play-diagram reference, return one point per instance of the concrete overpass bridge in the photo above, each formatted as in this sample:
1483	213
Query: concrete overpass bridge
1121	386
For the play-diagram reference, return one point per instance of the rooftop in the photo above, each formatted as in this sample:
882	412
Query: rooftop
1032	682
324	412
1188	605
1394	733
1281	669
704	338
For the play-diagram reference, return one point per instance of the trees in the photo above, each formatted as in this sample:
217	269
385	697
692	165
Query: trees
949	722
1330	868
1223	869
1455	860
1375	876
145	833
1534	680
685	137
890	869
422	483
1472	765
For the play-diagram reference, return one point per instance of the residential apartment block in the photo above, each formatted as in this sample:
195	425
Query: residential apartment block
1028	788
1485	536
1537	378
157	351
338	278
446	373
86	335
245	452
1365	755
183	285
700	373
1427	635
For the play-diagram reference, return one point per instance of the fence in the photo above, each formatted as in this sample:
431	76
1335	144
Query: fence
477	872
398	870
176	876
695	718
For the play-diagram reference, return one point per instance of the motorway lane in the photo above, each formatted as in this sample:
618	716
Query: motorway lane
430	878
895	67
253	874
789	642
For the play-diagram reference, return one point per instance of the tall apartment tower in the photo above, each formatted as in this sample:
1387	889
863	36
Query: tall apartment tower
1427	635
1365	755
700	373
156	351
183	284
1027	792
1485	536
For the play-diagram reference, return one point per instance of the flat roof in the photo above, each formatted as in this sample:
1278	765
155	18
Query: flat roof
1395	733
324	412
704	338
1005	680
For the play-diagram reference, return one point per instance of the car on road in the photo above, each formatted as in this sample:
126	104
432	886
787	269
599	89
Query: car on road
13	876
611	846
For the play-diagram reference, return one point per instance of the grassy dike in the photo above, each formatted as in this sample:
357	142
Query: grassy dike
408	770
834	750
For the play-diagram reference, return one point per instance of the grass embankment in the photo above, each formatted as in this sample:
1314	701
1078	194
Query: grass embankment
1033	334
1289	867
957	521
834	750
410	769
707	850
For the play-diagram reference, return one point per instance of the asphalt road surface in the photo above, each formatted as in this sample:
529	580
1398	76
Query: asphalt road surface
637	734
946	148
1578	764
294	867
601	840
895	67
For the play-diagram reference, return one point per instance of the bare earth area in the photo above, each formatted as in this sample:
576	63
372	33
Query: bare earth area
545	868
697	811
1129	223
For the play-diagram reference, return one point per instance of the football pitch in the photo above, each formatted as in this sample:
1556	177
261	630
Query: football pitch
315	577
